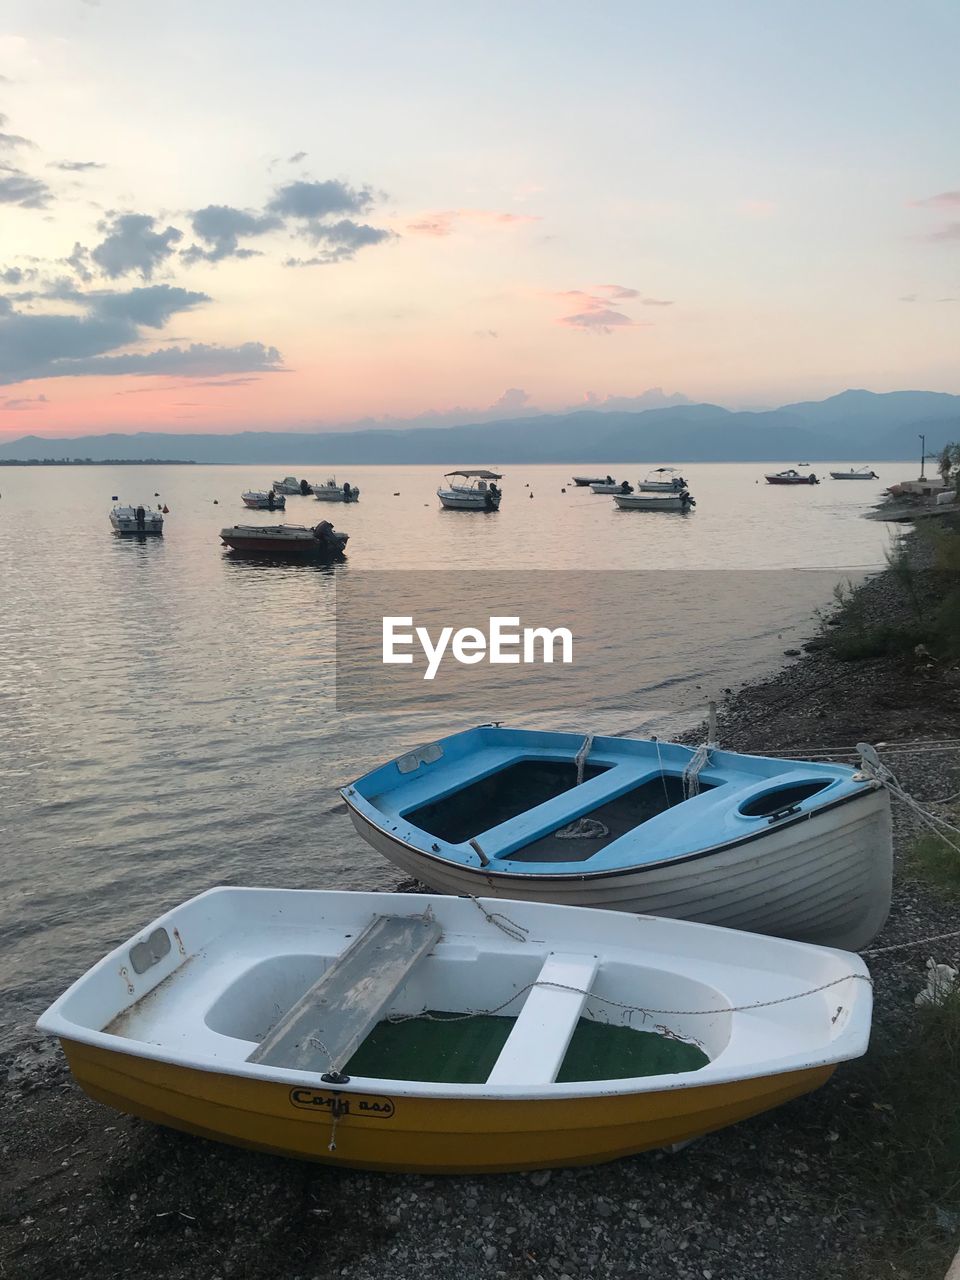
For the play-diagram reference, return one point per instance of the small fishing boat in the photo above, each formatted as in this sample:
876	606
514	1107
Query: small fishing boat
681	501
285	539
291	486
582	482
791	477
783	847
140	520
260	501
609	485
424	1034
330	491
855	473
471	491
662	480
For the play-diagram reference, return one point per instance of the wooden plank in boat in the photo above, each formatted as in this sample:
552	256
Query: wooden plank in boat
322	1031
536	1046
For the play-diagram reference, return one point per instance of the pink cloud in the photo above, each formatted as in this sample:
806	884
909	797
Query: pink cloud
757	208
447	221
948	233
595	312
944	200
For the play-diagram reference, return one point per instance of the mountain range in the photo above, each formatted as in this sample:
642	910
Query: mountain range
859	426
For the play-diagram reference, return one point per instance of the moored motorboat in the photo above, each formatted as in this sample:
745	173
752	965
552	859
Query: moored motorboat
791	477
785	847
452	1035
291	486
855	473
471	491
583	481
285	539
261	501
609	485
662	480
330	491
140	520
681	501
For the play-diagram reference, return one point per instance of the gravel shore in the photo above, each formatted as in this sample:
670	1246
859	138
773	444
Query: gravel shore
90	1193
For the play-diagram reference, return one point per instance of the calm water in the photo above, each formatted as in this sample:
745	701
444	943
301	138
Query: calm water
167	714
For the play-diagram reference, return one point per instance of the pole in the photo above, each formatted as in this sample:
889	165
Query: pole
923	455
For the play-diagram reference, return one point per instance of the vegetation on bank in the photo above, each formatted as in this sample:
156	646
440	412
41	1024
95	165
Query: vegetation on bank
926	568
900	1146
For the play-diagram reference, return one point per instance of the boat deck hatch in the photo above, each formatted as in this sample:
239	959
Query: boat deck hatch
497	798
619	816
783	798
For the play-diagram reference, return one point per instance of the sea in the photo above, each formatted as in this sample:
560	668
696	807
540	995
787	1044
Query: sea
169	717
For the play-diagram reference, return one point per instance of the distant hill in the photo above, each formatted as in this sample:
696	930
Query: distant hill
859	426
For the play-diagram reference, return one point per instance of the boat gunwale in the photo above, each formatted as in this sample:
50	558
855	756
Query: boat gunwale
354	800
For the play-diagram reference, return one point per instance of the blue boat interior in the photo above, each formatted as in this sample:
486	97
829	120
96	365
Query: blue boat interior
510	797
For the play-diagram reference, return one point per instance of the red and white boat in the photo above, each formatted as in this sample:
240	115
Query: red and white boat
285	539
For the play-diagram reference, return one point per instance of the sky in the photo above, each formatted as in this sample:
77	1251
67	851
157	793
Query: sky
230	215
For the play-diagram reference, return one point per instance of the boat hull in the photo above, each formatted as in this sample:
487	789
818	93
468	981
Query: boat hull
432	1134
652	502
846	475
823	879
463	502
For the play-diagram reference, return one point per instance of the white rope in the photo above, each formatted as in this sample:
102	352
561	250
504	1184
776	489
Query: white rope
623	1005
510	927
871	765
691	774
583	828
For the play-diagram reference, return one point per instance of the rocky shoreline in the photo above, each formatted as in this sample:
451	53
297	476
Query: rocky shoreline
87	1192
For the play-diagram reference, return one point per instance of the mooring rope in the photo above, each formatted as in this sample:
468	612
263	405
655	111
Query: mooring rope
583	828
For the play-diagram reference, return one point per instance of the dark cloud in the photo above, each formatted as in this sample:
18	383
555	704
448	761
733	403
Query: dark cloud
221	227
151	306
342	240
131	244
311	200
75	166
658	302
598	319
17	187
10	140
23	403
296	157
70	345
946	234
79	262
200	359
618	291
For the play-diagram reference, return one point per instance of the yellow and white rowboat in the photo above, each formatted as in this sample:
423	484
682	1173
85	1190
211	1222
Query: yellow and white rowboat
322	1025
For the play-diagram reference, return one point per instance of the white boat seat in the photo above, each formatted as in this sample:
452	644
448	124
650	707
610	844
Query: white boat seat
330	1021
538	1042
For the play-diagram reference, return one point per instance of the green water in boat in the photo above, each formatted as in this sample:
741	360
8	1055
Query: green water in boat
447	1049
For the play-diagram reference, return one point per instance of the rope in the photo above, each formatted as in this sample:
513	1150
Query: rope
623	1005
510	927
907	946
583	828
691	773
663	776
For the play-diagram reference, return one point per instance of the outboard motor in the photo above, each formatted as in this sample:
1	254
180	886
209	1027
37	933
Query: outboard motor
305	488
271	502
141	518
346	491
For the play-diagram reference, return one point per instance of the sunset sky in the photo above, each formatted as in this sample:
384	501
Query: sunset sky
228	215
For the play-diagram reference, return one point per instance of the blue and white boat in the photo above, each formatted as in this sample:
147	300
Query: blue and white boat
794	849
